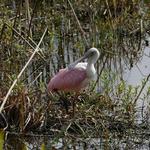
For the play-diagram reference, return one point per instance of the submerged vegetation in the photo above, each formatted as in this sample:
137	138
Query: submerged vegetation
108	114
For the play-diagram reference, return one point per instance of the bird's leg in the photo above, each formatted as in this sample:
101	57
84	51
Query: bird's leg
73	107
63	100
74	104
65	103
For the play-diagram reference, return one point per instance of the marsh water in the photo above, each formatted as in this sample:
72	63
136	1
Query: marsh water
133	77
32	119
136	75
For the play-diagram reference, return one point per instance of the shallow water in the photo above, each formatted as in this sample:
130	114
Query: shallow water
132	76
136	75
37	142
139	71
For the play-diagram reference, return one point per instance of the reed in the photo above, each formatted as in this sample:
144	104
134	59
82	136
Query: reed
106	110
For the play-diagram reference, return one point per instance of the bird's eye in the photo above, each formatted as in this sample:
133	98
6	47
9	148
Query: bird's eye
92	53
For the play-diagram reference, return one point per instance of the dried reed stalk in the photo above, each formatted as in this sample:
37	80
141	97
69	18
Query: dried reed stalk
79	25
21	72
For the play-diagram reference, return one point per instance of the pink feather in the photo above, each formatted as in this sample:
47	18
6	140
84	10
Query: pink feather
68	80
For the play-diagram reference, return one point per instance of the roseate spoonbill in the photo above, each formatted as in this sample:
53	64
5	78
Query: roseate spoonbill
77	75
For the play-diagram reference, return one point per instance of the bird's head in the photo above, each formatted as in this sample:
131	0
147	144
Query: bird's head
91	55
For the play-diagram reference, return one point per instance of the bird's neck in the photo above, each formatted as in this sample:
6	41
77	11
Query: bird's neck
91	70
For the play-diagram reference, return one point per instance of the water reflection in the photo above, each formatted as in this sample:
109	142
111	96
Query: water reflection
121	142
135	77
133	140
140	70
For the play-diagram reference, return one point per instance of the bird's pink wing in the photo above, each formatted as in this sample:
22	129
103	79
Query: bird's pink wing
67	80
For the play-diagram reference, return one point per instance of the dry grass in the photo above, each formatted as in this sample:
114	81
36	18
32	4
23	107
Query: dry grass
116	28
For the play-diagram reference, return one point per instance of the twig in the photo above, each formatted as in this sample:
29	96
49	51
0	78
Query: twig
110	14
83	33
99	74
2	31
21	72
143	86
35	78
28	16
33	12
27	41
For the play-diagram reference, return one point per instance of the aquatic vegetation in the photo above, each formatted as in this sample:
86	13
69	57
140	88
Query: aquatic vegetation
108	110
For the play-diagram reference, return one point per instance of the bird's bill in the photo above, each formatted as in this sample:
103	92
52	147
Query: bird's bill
72	65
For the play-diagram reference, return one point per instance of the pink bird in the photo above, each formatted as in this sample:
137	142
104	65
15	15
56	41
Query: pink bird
77	75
